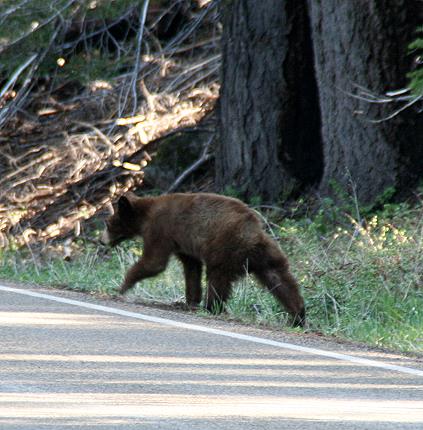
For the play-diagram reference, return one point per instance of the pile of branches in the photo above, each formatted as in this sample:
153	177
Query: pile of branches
69	149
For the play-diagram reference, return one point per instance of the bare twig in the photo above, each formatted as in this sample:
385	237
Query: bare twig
9	110
398	111
132	87
398	96
16	74
205	156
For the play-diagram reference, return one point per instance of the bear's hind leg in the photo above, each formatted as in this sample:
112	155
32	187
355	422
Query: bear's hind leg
218	290
285	289
192	272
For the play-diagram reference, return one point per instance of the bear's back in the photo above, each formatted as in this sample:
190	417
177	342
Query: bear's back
203	223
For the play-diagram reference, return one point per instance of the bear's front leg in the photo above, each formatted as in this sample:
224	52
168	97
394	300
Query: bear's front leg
146	267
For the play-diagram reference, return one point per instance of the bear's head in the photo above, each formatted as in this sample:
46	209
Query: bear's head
122	224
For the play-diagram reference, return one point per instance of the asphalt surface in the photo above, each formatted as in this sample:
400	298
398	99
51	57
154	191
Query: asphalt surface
68	367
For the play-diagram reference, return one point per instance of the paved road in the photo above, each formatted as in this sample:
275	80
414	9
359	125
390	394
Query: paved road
68	367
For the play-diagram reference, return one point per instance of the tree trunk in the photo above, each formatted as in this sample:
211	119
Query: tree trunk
269	117
363	43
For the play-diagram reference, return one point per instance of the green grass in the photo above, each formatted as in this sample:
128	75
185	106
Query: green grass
362	281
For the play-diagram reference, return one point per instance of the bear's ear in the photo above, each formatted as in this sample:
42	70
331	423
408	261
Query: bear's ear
125	207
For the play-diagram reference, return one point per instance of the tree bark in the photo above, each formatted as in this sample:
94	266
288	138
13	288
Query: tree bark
364	43
269	116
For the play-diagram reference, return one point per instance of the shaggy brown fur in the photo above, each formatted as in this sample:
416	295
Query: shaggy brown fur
221	232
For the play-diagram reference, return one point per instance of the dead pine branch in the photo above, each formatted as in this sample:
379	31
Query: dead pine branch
62	162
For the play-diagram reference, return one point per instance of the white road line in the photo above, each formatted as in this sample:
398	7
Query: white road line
195	327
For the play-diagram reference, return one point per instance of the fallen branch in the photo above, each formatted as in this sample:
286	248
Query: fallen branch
63	162
205	156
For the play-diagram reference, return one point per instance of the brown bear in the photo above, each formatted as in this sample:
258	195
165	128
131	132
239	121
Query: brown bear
221	232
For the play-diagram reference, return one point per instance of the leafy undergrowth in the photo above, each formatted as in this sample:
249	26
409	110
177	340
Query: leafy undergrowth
361	276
